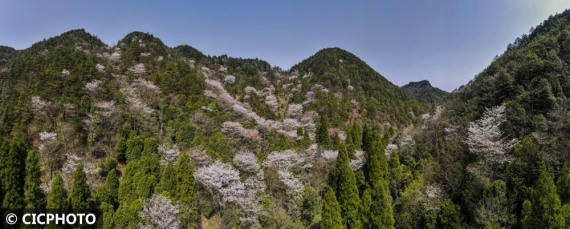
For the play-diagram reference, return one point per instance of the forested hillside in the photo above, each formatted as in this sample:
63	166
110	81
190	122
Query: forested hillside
158	137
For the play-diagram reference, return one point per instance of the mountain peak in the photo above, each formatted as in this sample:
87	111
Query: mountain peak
337	69
423	91
330	60
71	38
137	36
421	83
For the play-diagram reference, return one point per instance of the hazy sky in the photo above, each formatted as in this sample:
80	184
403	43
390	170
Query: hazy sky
446	42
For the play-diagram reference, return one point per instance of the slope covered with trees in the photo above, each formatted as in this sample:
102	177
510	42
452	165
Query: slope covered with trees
153	136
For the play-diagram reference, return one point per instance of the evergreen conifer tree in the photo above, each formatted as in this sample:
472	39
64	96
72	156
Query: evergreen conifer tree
34	196
347	191
186	190
168	181
546	203
80	194
57	198
13	180
330	215
322	135
380	213
563	185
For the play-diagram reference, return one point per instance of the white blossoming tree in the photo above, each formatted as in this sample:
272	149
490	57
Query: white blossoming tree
223	179
485	137
159	212
246	161
284	162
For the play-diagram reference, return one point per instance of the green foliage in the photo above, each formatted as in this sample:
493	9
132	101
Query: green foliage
523	173
121	150
322	133
107	216
14	155
409	209
309	205
139	179
545	204
185	190
135	146
376	167
34	195
57	198
109	191
493	208
563	185
331	217
449	215
150	146
347	191
526	215
395	174
127	215
168	181
80	197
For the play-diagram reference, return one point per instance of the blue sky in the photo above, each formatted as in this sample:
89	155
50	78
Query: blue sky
447	42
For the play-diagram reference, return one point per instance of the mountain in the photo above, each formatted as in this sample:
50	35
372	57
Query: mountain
342	72
5	53
507	129
143	132
424	92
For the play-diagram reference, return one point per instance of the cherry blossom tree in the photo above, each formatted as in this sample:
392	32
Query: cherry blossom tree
485	137
159	212
92	86
284	162
223	179
246	161
235	129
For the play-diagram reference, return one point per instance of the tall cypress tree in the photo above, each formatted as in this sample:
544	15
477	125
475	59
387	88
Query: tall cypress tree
322	135
563	185
356	134
331	218
380	213
121	150
185	184
347	191
57	198
135	146
526	215
4	148
368	139
546	203
150	146
186	190
34	195
168	181
80	194
109	191
366	202
112	184
13	179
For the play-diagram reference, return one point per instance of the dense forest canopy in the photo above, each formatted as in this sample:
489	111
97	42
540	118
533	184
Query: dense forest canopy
159	137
